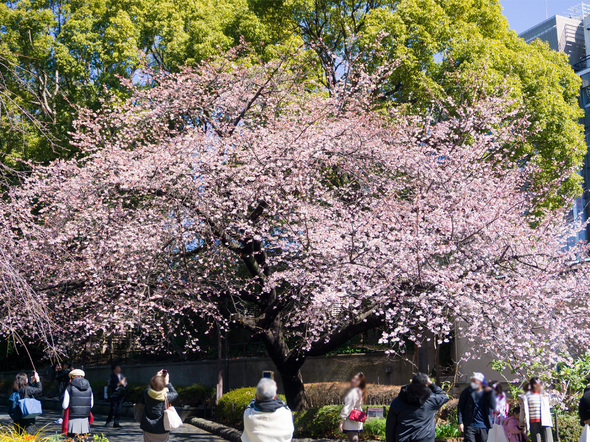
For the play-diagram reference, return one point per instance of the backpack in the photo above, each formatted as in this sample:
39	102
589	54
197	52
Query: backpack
14	406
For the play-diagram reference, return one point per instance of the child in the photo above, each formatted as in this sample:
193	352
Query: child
514	432
501	410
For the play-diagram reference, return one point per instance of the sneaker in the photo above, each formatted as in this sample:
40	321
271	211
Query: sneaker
116	425
107	424
59	421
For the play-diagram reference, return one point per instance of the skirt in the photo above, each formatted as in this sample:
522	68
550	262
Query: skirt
78	426
151	437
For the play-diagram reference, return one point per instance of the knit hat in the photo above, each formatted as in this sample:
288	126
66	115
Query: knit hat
77	372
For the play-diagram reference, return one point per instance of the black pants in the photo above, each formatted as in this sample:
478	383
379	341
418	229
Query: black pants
476	434
115	410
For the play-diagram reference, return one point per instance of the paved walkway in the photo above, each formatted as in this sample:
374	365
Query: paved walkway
129	431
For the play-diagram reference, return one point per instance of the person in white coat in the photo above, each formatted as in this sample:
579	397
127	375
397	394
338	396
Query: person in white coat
535	412
353	401
267	418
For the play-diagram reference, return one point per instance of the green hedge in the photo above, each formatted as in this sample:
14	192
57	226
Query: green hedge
231	406
322	422
375	429
318	422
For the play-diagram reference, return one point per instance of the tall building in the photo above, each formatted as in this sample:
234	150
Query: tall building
571	35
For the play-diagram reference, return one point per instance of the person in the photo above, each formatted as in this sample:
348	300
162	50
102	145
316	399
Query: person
156	399
77	402
514	431
117	384
535	412
267	418
353	401
411	414
584	407
62	376
474	409
502	408
24	390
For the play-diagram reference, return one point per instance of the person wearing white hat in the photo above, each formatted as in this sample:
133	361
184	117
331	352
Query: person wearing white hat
77	402
476	403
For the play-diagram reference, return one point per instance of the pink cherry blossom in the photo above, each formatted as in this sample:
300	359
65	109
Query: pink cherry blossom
243	193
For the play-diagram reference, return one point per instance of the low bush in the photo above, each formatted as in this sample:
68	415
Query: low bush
195	395
231	406
447	430
569	427
134	393
318	422
375	429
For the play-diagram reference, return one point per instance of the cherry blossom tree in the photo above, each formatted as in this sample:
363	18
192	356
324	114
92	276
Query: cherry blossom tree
23	314
241	193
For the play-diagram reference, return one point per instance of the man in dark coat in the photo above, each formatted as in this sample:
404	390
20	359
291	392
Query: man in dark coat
117	384
475	406
584	407
411	414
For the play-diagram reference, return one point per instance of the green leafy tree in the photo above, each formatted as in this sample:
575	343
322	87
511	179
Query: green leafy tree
61	54
440	45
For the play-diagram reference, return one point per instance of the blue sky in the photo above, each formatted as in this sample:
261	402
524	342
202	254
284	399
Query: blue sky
522	14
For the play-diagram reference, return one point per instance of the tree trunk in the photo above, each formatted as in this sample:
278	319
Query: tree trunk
294	390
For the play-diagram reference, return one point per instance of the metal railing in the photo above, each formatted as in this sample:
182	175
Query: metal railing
582	64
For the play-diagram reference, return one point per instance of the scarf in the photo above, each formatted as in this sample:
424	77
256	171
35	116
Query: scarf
158	395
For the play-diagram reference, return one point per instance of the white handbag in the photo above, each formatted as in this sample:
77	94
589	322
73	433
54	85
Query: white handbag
500	433
585	437
171	418
497	433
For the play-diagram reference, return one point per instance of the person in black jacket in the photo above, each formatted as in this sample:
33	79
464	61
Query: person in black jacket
26	390
78	400
411	414
62	376
475	406
155	398
117	384
584	407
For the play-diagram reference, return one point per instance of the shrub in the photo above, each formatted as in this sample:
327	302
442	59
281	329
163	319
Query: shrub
134	393
231	406
447	430
569	426
322	422
318	422
195	395
374	429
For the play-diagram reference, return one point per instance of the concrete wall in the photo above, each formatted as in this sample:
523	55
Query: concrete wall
378	368
483	365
